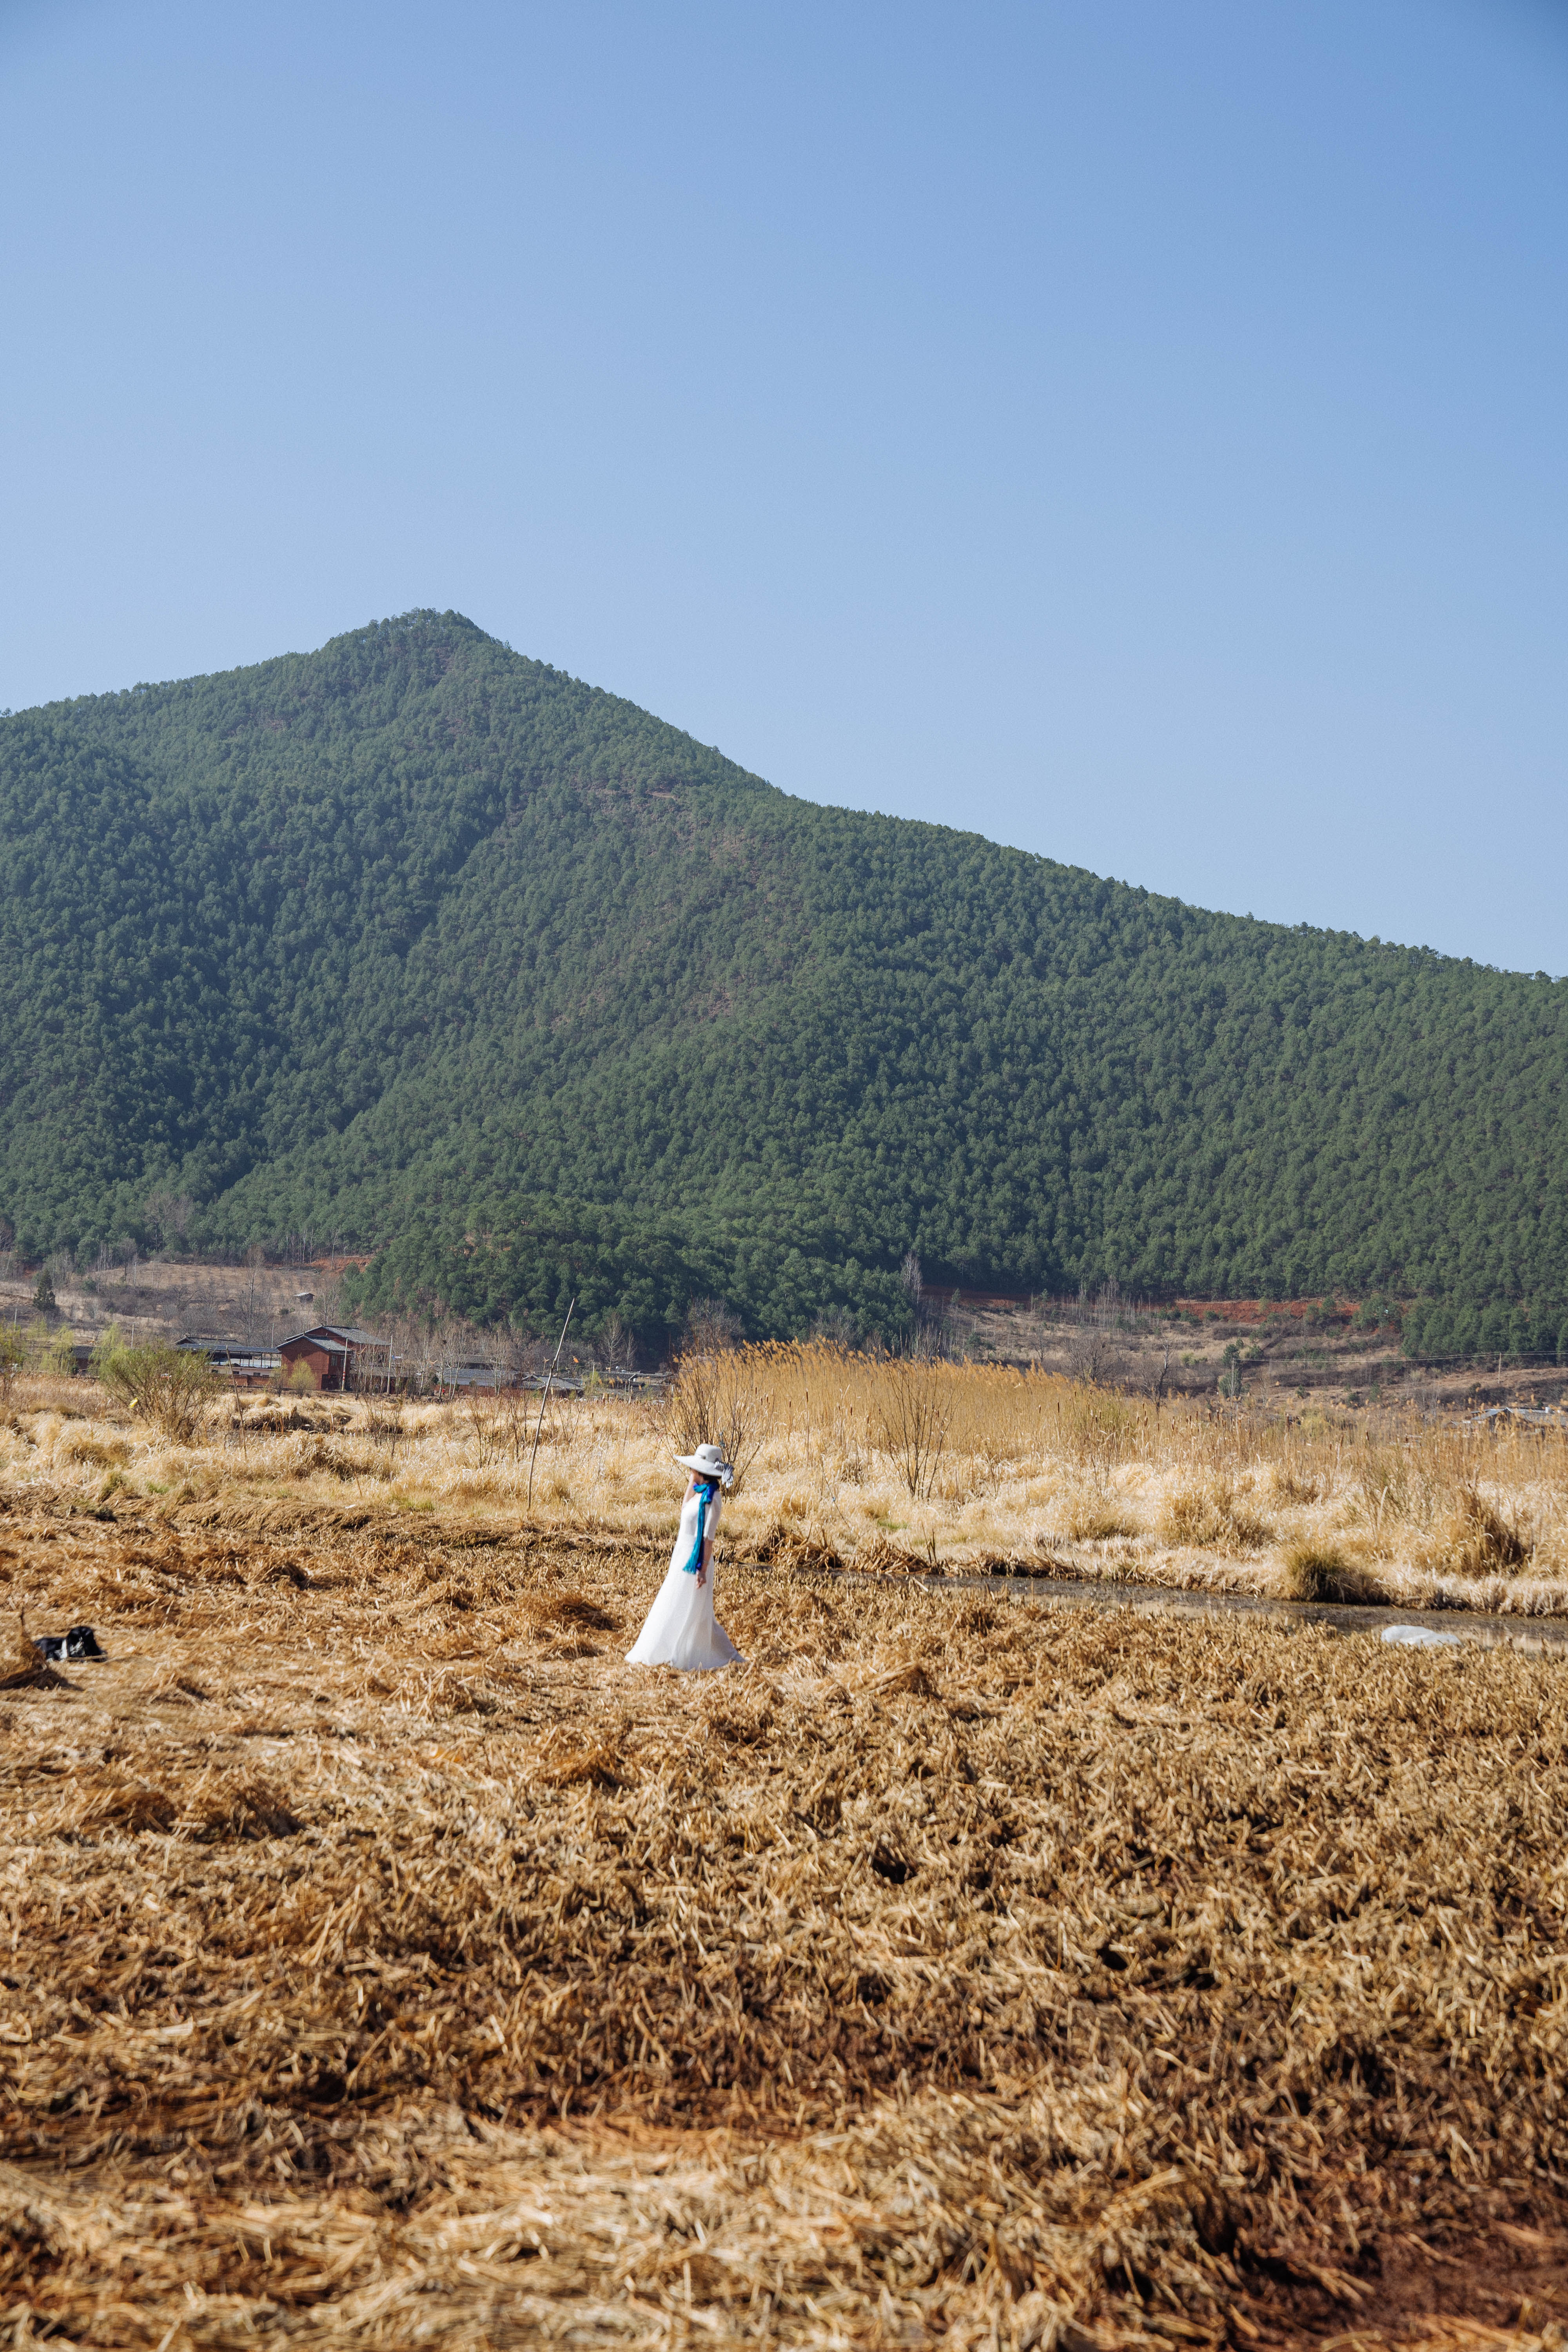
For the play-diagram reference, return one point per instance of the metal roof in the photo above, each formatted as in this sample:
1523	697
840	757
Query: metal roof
345	1335
231	1351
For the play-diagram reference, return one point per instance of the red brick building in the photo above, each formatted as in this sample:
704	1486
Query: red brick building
338	1357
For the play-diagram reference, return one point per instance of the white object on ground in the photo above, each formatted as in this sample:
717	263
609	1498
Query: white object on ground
680	1629
1420	1637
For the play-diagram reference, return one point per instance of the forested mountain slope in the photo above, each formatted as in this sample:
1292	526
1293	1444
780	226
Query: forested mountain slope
414	942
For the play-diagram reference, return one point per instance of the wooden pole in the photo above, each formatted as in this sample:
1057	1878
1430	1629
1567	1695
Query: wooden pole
544	1400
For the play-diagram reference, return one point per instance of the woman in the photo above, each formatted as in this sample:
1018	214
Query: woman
680	1629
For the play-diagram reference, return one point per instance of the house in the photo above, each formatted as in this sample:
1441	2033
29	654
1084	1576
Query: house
236	1360
338	1357
475	1374
478	1373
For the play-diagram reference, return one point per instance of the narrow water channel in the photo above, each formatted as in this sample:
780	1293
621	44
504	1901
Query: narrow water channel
1541	1636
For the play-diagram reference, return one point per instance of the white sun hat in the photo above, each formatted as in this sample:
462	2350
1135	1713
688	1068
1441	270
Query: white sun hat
709	1462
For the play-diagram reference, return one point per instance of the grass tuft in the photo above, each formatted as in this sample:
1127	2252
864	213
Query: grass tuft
1476	1538
1099	1522
1311	1569
1210	1514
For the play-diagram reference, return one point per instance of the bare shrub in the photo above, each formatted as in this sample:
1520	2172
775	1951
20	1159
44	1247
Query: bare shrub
912	1421
385	1427
500	1424
715	1400
171	1386
711	1328
486	1427
1096	1356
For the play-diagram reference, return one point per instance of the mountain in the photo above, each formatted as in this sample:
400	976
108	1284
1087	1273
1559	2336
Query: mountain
415	944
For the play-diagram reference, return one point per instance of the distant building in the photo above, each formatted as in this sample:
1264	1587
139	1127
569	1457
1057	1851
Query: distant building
336	1356
237	1361
475	1374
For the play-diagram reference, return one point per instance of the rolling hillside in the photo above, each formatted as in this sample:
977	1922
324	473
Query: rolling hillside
418	944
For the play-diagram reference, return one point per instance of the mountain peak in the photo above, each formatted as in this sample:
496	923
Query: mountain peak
407	932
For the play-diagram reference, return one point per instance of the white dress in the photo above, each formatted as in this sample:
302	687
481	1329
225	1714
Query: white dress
680	1629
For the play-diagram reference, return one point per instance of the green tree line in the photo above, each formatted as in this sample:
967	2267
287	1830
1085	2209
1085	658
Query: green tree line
426	947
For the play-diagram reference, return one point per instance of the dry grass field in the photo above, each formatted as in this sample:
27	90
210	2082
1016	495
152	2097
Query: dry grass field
384	1962
850	1461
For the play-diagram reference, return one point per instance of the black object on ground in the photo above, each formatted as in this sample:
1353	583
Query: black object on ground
82	1641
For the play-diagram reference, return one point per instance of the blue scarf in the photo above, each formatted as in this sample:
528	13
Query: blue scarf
705	1494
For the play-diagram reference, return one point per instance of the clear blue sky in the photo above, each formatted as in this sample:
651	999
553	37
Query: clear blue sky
1137	431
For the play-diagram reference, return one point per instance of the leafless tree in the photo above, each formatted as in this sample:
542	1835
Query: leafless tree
713	1400
617	1348
167	1215
835	1328
710	1328
255	1306
913	1422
